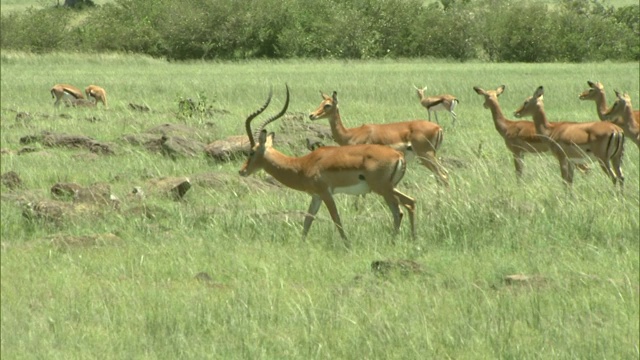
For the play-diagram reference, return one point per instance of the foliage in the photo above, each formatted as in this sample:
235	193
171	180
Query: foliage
79	4
497	30
189	108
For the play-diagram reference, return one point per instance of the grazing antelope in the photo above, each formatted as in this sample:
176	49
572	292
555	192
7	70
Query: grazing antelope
519	136
622	109
572	142
328	170
65	91
437	103
98	93
596	93
418	137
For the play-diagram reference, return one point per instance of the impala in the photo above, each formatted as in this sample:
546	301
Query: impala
65	91
630	126
572	142
519	136
328	170
437	103
622	109
418	137
98	93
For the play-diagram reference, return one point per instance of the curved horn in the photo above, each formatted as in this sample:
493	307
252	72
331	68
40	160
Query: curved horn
247	123
278	115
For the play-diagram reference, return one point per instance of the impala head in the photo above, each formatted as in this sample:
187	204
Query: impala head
420	92
531	104
595	90
327	108
623	102
265	142
489	95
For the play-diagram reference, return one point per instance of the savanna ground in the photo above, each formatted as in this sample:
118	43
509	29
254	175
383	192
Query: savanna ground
223	273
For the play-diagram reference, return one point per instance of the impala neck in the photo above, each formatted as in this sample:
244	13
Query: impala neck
628	117
338	131
286	169
498	117
601	105
540	121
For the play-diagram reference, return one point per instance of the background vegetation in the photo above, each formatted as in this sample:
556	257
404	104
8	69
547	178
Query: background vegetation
133	293
488	30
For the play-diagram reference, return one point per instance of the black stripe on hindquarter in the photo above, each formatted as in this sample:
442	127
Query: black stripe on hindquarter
619	142
402	165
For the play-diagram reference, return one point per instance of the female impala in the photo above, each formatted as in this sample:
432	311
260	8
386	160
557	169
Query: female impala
354	170
630	126
519	136
418	137
98	93
437	103
572	142
65	91
622	109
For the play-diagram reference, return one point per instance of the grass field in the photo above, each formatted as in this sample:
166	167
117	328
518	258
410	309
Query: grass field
124	283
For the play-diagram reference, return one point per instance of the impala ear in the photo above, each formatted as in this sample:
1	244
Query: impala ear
262	137
269	140
479	90
335	98
500	89
539	92
618	93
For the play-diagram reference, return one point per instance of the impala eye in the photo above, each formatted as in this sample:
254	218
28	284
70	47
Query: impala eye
327	106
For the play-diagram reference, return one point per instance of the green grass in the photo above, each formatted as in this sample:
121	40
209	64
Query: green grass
273	295
19	5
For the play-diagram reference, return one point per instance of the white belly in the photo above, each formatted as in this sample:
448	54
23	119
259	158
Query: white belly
358	189
439	107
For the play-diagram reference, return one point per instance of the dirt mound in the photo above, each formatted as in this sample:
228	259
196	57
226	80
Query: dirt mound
49	139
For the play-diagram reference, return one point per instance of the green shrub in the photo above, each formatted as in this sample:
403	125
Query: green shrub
495	30
36	30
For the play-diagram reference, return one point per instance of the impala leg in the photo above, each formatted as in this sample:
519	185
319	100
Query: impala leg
429	112
518	162
392	203
436	114
566	169
617	167
410	204
429	160
616	160
316	201
327	198
454	117
605	165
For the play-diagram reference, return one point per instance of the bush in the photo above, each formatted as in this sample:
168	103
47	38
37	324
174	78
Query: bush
36	30
495	30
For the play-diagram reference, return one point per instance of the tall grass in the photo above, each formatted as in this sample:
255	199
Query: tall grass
272	295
